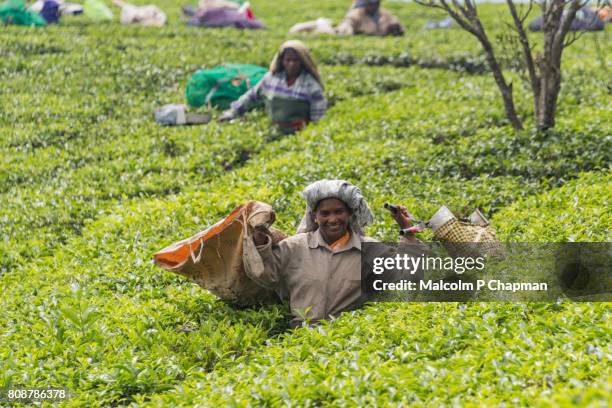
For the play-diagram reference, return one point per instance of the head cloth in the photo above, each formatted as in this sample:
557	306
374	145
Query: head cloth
343	191
302	51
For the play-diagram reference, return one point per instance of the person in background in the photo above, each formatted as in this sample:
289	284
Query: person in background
367	17
222	13
318	270
292	90
50	11
605	14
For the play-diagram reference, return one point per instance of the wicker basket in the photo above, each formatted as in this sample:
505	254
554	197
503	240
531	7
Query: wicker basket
464	238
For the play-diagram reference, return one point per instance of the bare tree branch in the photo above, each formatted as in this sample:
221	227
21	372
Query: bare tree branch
566	22
466	16
526	13
572	37
463	23
542	70
529	62
469	5
576	35
464	11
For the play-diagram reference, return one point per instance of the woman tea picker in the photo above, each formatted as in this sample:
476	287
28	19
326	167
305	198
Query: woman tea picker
319	269
292	90
367	17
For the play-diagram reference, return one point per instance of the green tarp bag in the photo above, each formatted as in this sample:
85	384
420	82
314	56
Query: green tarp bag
15	12
221	85
97	11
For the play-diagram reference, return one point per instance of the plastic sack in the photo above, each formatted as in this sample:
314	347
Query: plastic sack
171	115
65	9
319	26
176	115
97	11
223	84
147	16
50	11
213	258
14	12
235	4
224	17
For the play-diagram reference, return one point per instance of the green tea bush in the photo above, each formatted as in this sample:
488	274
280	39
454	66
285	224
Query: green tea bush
577	212
531	156
457	354
91	188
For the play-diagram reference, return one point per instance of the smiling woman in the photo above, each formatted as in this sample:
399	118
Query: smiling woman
318	270
332	216
91	186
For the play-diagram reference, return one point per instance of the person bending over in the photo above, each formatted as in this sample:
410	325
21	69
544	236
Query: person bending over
292	90
367	17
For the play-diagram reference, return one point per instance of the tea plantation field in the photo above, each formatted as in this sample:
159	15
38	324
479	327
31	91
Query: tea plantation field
91	187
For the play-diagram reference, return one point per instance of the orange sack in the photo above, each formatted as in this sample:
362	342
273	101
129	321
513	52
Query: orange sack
213	258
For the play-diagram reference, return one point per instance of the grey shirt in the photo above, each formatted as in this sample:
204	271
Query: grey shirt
318	281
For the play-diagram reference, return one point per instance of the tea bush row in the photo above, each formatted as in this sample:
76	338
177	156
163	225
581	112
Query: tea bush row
92	188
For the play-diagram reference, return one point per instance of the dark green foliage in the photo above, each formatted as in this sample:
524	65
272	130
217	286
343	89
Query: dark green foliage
90	188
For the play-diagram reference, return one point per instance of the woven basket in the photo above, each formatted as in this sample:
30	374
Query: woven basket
463	238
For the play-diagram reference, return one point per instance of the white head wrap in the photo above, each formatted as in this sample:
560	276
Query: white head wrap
343	191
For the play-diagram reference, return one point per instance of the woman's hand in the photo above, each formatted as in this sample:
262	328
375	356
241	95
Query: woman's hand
261	235
227	116
402	217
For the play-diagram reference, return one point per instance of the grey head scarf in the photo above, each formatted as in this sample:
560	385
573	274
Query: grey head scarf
343	191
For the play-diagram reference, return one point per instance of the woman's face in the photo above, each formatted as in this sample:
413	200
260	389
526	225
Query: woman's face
291	63
332	216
